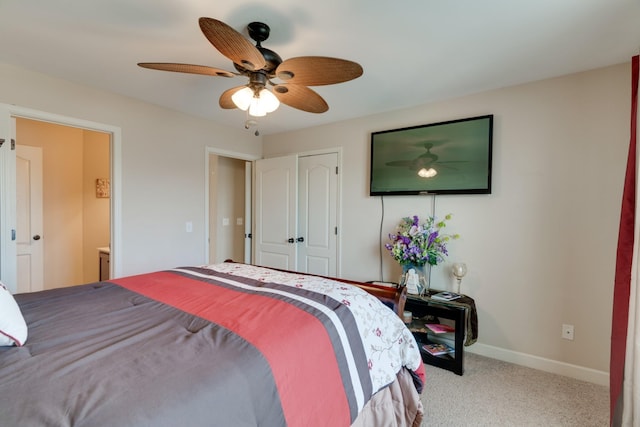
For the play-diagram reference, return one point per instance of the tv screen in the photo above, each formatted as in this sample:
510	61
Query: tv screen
452	157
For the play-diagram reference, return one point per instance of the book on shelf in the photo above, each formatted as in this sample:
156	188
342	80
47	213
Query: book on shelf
439	328
413	327
437	349
445	296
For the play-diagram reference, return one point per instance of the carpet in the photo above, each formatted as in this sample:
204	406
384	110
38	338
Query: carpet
496	393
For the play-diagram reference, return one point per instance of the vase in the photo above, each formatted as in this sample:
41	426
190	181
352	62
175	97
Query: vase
416	278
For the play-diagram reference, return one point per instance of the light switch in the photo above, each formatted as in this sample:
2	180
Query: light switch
225	222
239	221
189	227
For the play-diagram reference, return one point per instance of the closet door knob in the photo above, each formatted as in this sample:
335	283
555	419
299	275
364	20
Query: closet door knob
291	240
300	239
36	237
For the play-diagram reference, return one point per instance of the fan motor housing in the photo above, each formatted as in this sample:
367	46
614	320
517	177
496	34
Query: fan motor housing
271	59
259	32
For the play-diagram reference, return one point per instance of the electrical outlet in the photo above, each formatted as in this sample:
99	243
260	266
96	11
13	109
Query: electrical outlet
567	332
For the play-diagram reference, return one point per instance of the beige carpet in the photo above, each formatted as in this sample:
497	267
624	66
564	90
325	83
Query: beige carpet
496	393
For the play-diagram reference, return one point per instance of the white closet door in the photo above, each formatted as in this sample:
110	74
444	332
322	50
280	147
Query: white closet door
297	213
276	212
317	214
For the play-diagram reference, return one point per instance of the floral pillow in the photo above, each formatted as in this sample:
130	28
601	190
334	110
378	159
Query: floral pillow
13	328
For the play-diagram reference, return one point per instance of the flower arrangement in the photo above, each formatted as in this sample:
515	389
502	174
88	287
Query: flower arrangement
420	243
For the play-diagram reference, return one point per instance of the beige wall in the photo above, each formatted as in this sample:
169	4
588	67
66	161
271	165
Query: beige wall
96	211
540	249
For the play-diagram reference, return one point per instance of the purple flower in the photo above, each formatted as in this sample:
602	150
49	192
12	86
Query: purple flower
416	243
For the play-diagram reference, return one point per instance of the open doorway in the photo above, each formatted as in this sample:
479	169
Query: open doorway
73	228
229	209
8	204
229	206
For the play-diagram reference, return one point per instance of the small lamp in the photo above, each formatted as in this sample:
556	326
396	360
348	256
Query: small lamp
459	269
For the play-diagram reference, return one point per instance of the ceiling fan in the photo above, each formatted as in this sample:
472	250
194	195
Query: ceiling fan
426	162
289	78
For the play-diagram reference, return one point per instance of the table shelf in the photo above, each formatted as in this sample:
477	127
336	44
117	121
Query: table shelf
426	310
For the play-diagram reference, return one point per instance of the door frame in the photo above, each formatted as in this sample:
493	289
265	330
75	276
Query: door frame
231	155
8	264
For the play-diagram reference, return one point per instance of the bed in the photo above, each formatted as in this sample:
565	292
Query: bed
221	345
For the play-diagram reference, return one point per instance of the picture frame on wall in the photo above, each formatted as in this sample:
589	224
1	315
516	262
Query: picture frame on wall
103	188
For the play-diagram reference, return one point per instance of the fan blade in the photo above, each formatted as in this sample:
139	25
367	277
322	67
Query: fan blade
300	97
403	163
225	99
317	70
232	44
187	68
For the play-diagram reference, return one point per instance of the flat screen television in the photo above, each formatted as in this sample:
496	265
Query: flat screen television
452	157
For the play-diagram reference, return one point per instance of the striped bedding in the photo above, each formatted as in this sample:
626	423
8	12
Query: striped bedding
221	345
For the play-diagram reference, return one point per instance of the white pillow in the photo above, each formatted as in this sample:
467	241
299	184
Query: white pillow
13	328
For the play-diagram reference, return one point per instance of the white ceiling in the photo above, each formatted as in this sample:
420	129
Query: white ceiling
413	51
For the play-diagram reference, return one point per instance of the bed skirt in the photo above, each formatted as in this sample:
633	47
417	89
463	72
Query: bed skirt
397	405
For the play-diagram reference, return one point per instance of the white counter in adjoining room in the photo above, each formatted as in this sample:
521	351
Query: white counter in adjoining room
104	254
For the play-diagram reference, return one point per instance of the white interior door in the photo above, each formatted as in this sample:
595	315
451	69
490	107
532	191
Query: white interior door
276	212
317	214
29	218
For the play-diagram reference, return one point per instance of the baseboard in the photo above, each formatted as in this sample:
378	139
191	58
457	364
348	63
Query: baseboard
541	363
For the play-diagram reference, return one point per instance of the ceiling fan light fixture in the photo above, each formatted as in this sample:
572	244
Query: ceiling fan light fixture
268	100
242	98
258	103
427	173
256	109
